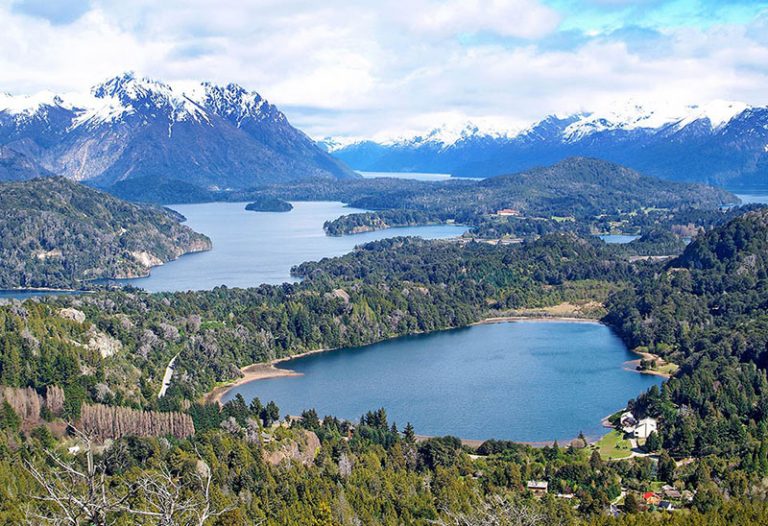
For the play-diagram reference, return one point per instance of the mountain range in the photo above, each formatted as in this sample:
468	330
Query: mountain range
723	143
132	128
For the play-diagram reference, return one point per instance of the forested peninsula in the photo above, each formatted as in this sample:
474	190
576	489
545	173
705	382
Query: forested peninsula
57	233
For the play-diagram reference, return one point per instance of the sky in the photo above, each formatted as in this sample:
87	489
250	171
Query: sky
386	68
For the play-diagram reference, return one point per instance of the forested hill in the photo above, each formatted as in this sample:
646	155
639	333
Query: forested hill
579	186
596	194
708	312
737	251
57	233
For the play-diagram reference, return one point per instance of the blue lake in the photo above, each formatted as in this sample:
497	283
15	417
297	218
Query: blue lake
753	196
526	381
251	248
617	238
417	176
26	294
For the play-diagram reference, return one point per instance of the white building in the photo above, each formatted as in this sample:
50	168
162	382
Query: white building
645	427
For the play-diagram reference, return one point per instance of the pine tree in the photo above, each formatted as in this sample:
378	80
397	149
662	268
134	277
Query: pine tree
409	433
11	374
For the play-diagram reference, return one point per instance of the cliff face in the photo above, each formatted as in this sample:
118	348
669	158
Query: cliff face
57	233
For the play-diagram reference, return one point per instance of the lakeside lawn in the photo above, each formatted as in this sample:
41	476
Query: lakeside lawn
614	446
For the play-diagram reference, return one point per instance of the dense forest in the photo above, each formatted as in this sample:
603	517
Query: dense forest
584	196
246	463
707	311
57	233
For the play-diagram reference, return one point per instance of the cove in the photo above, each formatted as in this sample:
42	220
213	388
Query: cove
527	381
251	248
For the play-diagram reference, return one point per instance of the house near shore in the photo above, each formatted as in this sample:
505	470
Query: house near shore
539	488
628	422
645	427
508	212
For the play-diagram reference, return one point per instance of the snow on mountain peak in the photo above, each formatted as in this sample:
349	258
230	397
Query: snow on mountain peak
632	115
719	113
27	105
447	135
128	94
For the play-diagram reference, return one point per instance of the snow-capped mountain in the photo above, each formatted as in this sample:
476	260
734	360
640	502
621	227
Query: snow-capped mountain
721	142
133	128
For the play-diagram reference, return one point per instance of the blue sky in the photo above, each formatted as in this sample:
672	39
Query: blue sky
382	68
610	15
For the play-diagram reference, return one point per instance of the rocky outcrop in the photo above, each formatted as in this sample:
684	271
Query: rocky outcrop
102	343
303	450
72	314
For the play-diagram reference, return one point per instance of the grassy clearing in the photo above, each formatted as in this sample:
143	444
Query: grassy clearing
613	446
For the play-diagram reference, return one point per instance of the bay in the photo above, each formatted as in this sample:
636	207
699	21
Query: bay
525	381
251	248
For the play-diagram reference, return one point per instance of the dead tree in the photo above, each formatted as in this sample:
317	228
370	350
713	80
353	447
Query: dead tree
500	511
169	501
74	494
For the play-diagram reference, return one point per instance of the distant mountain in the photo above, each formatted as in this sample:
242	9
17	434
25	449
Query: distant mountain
57	233
15	166
722	143
128	128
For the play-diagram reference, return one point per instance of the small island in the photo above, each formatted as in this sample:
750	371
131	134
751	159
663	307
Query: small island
269	204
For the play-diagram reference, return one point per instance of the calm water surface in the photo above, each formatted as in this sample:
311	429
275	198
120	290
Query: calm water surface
753	195
26	294
617	238
526	381
418	176
251	248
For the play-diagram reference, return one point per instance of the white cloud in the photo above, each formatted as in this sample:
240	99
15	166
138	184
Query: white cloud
362	69
512	18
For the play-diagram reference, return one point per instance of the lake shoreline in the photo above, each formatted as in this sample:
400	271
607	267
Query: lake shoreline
634	365
266	370
43	289
474	443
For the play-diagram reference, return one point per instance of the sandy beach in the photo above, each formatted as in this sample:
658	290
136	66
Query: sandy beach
544	319
257	371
